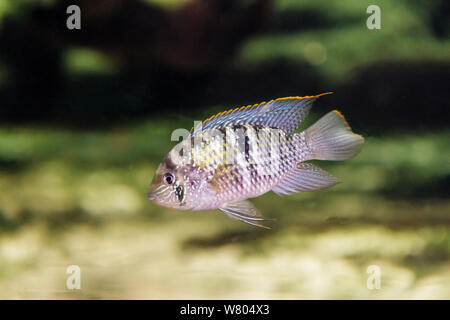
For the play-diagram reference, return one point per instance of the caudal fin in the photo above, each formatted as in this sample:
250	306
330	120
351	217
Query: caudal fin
331	138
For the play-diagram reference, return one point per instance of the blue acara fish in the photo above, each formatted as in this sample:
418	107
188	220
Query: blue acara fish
248	151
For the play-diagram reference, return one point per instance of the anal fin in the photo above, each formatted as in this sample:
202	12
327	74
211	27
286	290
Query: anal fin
305	177
244	211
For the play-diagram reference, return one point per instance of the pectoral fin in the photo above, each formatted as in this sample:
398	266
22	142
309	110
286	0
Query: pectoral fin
304	178
244	211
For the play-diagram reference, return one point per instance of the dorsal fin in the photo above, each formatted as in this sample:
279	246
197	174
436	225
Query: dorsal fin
282	113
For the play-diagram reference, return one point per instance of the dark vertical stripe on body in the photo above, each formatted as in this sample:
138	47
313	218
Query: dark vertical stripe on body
246	145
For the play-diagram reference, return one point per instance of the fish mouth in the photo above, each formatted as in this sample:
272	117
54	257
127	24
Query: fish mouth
151	196
155	193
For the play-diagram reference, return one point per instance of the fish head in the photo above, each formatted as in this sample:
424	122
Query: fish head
167	187
177	182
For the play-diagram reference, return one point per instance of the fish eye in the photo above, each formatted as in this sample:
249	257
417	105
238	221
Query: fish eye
168	178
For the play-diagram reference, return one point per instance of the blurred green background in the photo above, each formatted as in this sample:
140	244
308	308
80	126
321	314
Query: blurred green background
86	116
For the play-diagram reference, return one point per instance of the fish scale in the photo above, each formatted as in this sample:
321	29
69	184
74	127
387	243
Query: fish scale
255	171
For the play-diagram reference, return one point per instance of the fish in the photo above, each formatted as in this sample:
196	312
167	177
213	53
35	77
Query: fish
246	152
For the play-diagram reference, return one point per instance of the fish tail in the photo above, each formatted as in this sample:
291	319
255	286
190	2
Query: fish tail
331	138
